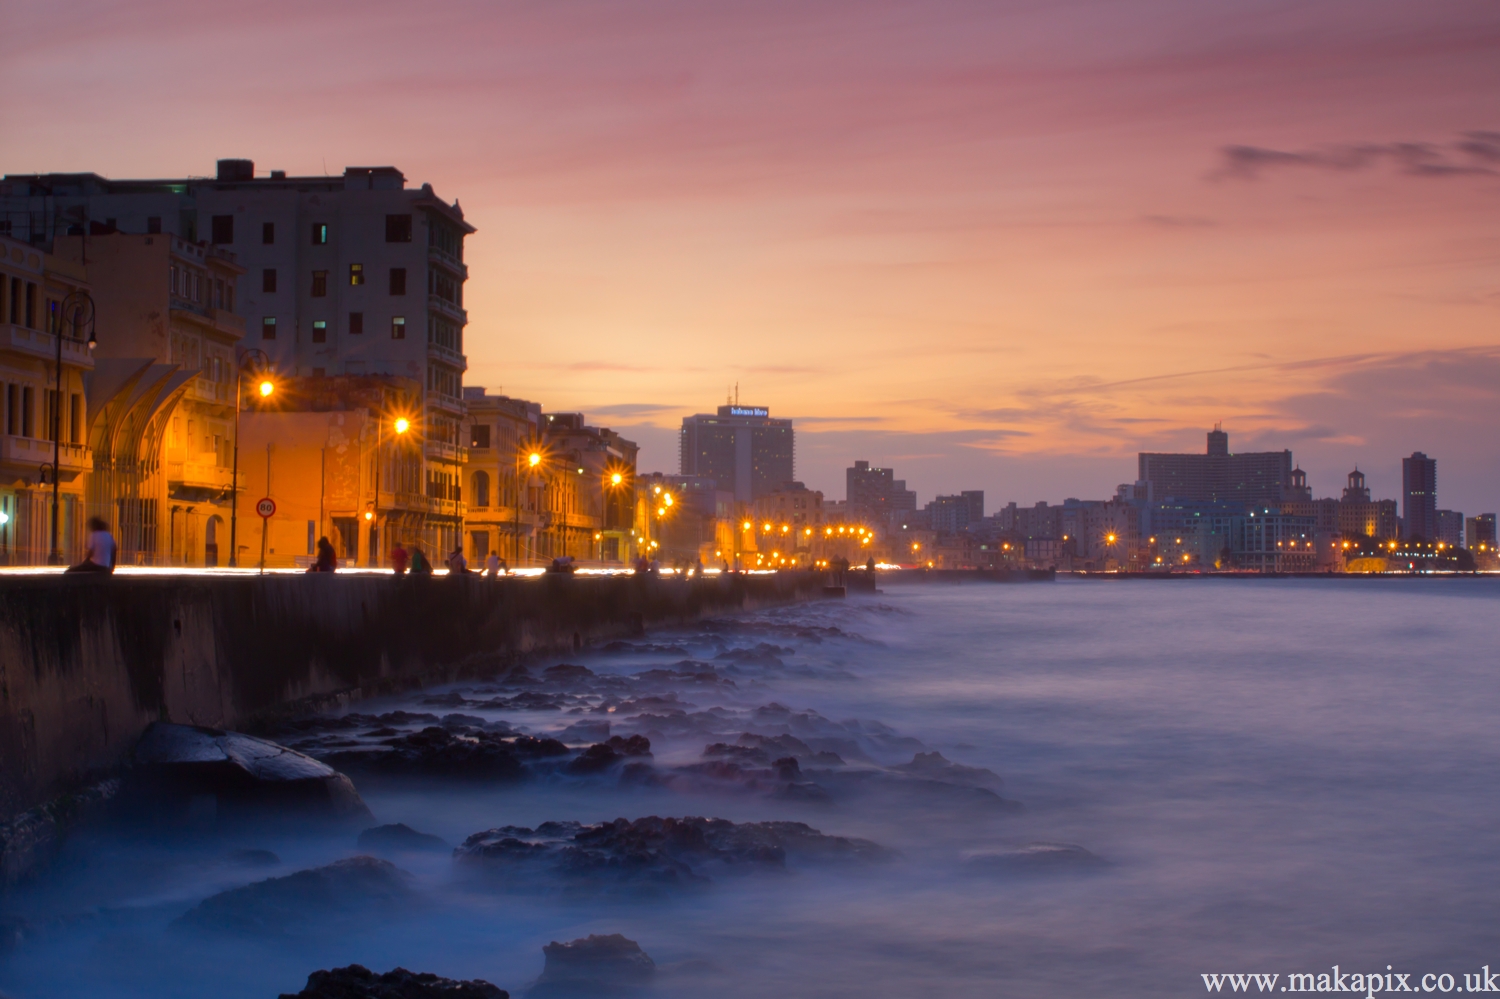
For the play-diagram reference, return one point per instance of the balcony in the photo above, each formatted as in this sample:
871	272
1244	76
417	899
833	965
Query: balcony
447	403
199	475
32	453
448	260
443	307
203	390
443	451
227	324
44	345
447	355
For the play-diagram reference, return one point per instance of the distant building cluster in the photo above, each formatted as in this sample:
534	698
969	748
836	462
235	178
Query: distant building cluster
1248	512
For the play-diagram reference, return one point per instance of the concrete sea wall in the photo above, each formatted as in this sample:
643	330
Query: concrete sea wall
86	664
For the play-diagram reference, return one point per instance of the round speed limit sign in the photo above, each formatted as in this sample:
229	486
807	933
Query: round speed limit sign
265	507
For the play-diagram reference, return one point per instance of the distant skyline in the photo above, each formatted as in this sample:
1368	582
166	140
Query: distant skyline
997	245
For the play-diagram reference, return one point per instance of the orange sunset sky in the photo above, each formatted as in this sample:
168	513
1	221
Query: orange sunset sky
998	245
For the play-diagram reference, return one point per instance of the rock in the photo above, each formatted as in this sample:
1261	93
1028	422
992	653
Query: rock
238	775
566	673
436	751
595	759
350	891
359	982
934	765
592	964
585	731
398	837
653	849
632	745
29	841
1038	858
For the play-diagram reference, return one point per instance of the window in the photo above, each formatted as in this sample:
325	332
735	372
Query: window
479	435
30	310
398	280
28	410
13	409
319	233
481	492
398	328
356	323
320	331
218	293
320	284
398	228
75	419
356	274
268	328
223	228
268	233
15	300
229	298
171	282
268	280
153	224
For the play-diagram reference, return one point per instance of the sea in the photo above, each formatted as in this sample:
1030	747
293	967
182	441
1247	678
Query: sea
1088	787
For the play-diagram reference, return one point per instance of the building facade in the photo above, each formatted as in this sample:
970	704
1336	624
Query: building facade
346	276
741	448
1218	476
41	425
1419	496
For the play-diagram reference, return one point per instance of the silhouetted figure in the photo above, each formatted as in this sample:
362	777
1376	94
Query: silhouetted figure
328	559
492	565
457	564
420	566
562	564
399	558
100	555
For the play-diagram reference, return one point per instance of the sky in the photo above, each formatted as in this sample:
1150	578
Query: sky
1001	245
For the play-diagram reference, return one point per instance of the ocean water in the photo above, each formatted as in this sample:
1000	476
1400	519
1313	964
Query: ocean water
1267	776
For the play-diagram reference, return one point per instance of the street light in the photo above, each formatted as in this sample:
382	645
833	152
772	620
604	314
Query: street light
400	425
261	362
78	308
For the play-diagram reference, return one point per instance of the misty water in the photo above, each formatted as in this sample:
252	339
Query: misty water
1274	776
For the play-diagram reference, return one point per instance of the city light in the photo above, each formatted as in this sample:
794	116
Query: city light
402	425
616	479
667	498
747	525
533	459
266	388
369	515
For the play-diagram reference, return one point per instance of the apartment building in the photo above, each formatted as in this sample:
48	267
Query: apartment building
345	276
41	423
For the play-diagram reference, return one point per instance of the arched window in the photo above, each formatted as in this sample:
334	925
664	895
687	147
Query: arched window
481	490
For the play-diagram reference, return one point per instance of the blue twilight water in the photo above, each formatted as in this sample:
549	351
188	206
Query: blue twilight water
1278	775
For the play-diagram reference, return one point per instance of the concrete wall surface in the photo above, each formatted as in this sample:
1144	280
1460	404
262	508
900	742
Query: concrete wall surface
86	663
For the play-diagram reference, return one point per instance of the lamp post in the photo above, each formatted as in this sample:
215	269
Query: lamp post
531	460
78	309
265	388
400	425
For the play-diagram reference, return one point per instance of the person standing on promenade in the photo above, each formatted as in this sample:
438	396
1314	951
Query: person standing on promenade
457	564
398	559
100	556
492	565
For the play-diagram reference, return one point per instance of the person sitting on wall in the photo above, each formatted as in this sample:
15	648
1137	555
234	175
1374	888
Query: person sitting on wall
399	558
562	564
419	564
457	564
328	560
492	565
100	555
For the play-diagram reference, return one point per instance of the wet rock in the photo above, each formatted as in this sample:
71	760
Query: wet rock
654	850
596	759
206	771
738	754
585	731
566	673
935	765
452	699
436	751
351	891
398	837
359	982
30	841
593	965
1037	858
252	858
632	745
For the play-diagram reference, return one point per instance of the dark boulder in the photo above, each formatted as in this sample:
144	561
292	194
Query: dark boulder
653	849
935	765
594	965
240	775
631	745
359	982
348	892
438	752
596	759
398	837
